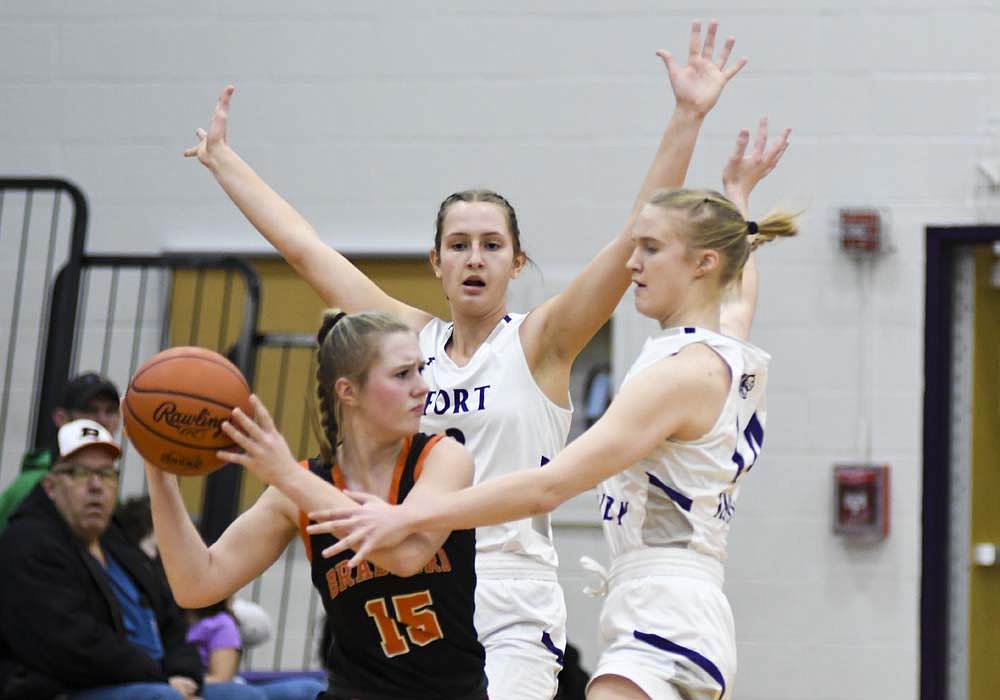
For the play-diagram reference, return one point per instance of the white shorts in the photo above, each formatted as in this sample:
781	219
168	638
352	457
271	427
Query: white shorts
668	626
521	621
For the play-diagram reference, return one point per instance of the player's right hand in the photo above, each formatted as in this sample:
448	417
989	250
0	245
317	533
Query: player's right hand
217	134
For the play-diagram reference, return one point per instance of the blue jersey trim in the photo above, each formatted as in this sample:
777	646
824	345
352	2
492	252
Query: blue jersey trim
676	496
704	664
551	646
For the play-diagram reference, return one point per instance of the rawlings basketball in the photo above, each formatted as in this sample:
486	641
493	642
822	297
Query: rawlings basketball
175	405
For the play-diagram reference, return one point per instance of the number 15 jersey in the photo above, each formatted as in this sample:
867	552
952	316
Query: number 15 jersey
398	638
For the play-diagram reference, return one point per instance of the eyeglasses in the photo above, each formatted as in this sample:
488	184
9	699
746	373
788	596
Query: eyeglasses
80	473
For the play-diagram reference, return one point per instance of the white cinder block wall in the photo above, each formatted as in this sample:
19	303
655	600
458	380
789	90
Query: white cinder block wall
366	113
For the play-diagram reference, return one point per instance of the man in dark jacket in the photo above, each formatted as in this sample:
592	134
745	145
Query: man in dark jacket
83	612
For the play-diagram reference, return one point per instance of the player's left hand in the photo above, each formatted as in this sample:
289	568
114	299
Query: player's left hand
265	452
745	169
372	525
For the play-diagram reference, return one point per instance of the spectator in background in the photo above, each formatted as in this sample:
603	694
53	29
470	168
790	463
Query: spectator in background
136	521
84	613
87	395
216	632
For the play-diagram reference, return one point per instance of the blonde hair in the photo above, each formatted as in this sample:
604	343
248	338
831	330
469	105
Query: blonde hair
348	347
714	222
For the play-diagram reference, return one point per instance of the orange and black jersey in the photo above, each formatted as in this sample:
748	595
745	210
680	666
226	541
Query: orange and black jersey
395	637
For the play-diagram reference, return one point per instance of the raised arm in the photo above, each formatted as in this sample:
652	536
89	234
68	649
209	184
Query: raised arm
742	173
556	332
332	276
678	396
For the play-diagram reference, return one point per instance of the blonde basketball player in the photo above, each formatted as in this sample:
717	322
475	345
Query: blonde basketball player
668	458
499	381
402	626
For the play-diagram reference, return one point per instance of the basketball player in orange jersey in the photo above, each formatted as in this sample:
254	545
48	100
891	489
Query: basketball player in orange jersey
402	622
499	381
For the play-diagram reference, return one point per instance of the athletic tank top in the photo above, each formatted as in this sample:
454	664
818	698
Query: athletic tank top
683	494
400	638
494	407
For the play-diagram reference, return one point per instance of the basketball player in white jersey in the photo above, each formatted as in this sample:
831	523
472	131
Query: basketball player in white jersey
499	381
667	457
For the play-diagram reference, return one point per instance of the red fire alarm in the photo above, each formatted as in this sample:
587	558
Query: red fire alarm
861	230
861	500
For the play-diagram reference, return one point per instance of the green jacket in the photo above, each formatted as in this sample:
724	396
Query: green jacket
34	466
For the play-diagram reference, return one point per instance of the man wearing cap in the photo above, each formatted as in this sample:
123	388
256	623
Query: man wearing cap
84	615
87	395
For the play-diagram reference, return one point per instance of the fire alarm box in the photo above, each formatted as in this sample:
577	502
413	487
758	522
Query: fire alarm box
861	230
861	500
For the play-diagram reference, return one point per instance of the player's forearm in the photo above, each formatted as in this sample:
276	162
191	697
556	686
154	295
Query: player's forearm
311	494
307	491
409	557
738	197
673	156
185	557
276	219
593	295
739	305
668	170
515	496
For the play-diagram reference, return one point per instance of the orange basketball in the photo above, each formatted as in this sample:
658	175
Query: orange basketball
174	408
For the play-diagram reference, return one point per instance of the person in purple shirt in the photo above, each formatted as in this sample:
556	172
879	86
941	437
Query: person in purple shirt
215	633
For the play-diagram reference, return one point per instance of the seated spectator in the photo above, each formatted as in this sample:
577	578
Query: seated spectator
255	623
136	520
87	395
85	616
215	632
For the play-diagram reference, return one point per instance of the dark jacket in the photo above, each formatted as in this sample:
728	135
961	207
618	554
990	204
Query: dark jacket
60	623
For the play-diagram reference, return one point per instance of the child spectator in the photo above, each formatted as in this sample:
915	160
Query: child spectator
215	632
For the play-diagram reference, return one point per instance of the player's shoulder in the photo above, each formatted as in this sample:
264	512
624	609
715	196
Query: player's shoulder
434	328
445	458
693	368
439	446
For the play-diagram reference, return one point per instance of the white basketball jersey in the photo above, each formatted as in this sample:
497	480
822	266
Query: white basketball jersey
683	493
495	408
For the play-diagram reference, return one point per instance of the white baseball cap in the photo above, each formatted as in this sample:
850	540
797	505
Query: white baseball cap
83	432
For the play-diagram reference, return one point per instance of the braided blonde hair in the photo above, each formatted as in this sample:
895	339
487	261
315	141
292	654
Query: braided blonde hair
348	346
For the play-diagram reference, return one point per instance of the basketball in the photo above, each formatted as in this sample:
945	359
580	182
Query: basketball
175	405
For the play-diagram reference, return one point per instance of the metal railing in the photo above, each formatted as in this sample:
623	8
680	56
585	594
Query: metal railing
124	309
66	312
287	369
43	226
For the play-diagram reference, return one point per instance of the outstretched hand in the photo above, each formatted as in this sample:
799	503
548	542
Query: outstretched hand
744	170
264	448
698	84
216	136
372	525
